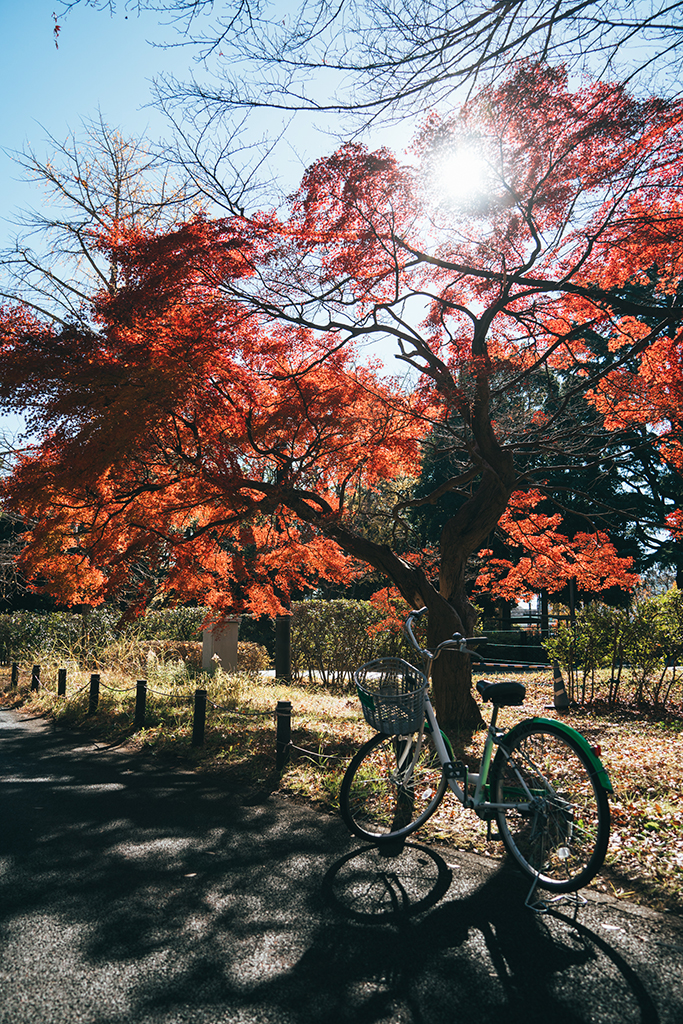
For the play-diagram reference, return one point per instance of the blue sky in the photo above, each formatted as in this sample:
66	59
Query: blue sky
102	62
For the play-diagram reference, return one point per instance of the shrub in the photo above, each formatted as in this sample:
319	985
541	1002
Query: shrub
670	623
330	639
646	639
134	653
182	624
56	636
96	637
252	658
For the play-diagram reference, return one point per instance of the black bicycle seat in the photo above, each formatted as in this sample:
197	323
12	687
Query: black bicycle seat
504	694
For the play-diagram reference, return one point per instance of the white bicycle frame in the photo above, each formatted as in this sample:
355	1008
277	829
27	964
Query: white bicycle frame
477	802
478	779
456	774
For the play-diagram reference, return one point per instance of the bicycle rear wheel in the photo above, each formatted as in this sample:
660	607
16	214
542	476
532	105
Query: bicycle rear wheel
559	831
386	793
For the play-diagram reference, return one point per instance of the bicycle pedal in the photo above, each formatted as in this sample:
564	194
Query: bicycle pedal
456	770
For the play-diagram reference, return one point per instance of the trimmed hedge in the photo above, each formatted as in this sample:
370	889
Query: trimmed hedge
55	636
86	638
329	639
642	645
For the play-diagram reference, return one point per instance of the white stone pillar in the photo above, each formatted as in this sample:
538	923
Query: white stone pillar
220	640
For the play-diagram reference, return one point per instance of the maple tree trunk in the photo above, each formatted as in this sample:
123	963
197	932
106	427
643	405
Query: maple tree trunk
463	534
449	608
452	672
456	708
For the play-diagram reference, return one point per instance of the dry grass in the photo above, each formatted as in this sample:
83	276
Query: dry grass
642	751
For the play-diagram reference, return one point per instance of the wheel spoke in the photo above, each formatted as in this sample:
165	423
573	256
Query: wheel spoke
558	830
391	787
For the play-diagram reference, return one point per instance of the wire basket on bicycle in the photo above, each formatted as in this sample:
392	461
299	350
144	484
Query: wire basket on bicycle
392	695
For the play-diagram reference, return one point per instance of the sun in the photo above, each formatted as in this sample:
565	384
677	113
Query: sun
463	174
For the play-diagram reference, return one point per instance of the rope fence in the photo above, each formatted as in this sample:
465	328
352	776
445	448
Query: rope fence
199	699
203	705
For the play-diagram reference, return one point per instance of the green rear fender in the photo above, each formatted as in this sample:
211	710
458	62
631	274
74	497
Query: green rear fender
599	770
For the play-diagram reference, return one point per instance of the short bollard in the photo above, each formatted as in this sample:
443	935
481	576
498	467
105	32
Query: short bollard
61	682
35	677
283	733
199	720
94	693
140	701
15	675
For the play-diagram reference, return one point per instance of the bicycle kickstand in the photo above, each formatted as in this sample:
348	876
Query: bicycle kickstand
543	906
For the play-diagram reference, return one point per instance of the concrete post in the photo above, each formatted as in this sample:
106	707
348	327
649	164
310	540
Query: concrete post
221	640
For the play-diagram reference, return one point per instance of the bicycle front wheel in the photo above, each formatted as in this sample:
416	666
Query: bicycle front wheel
387	792
557	823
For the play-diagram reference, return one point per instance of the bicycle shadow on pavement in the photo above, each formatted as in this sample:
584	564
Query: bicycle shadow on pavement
479	956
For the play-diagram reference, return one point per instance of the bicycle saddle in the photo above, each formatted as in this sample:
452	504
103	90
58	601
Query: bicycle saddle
504	694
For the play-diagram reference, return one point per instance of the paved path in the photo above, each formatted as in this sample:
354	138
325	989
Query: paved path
131	893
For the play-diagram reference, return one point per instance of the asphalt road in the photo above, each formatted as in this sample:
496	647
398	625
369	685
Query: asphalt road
132	892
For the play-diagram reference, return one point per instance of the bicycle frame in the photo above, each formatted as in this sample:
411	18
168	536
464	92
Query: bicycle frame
477	779
477	802
494	736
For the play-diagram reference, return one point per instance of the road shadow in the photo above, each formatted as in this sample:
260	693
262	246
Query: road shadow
133	892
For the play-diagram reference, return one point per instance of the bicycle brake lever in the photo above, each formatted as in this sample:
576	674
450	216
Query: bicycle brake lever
472	640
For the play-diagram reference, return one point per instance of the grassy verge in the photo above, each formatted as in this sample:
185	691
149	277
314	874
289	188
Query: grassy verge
642	752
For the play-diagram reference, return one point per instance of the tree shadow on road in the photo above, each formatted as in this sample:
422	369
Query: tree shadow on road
131	892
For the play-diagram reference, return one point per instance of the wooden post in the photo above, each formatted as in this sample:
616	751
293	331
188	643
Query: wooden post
94	693
199	719
35	677
283	733
61	683
140	702
283	651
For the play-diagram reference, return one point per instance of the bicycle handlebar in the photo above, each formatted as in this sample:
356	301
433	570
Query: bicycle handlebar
456	642
416	613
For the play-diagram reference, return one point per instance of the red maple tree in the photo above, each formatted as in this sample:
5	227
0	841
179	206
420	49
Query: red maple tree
173	429
217	431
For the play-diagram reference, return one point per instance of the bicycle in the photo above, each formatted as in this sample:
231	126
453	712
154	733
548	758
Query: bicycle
546	786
